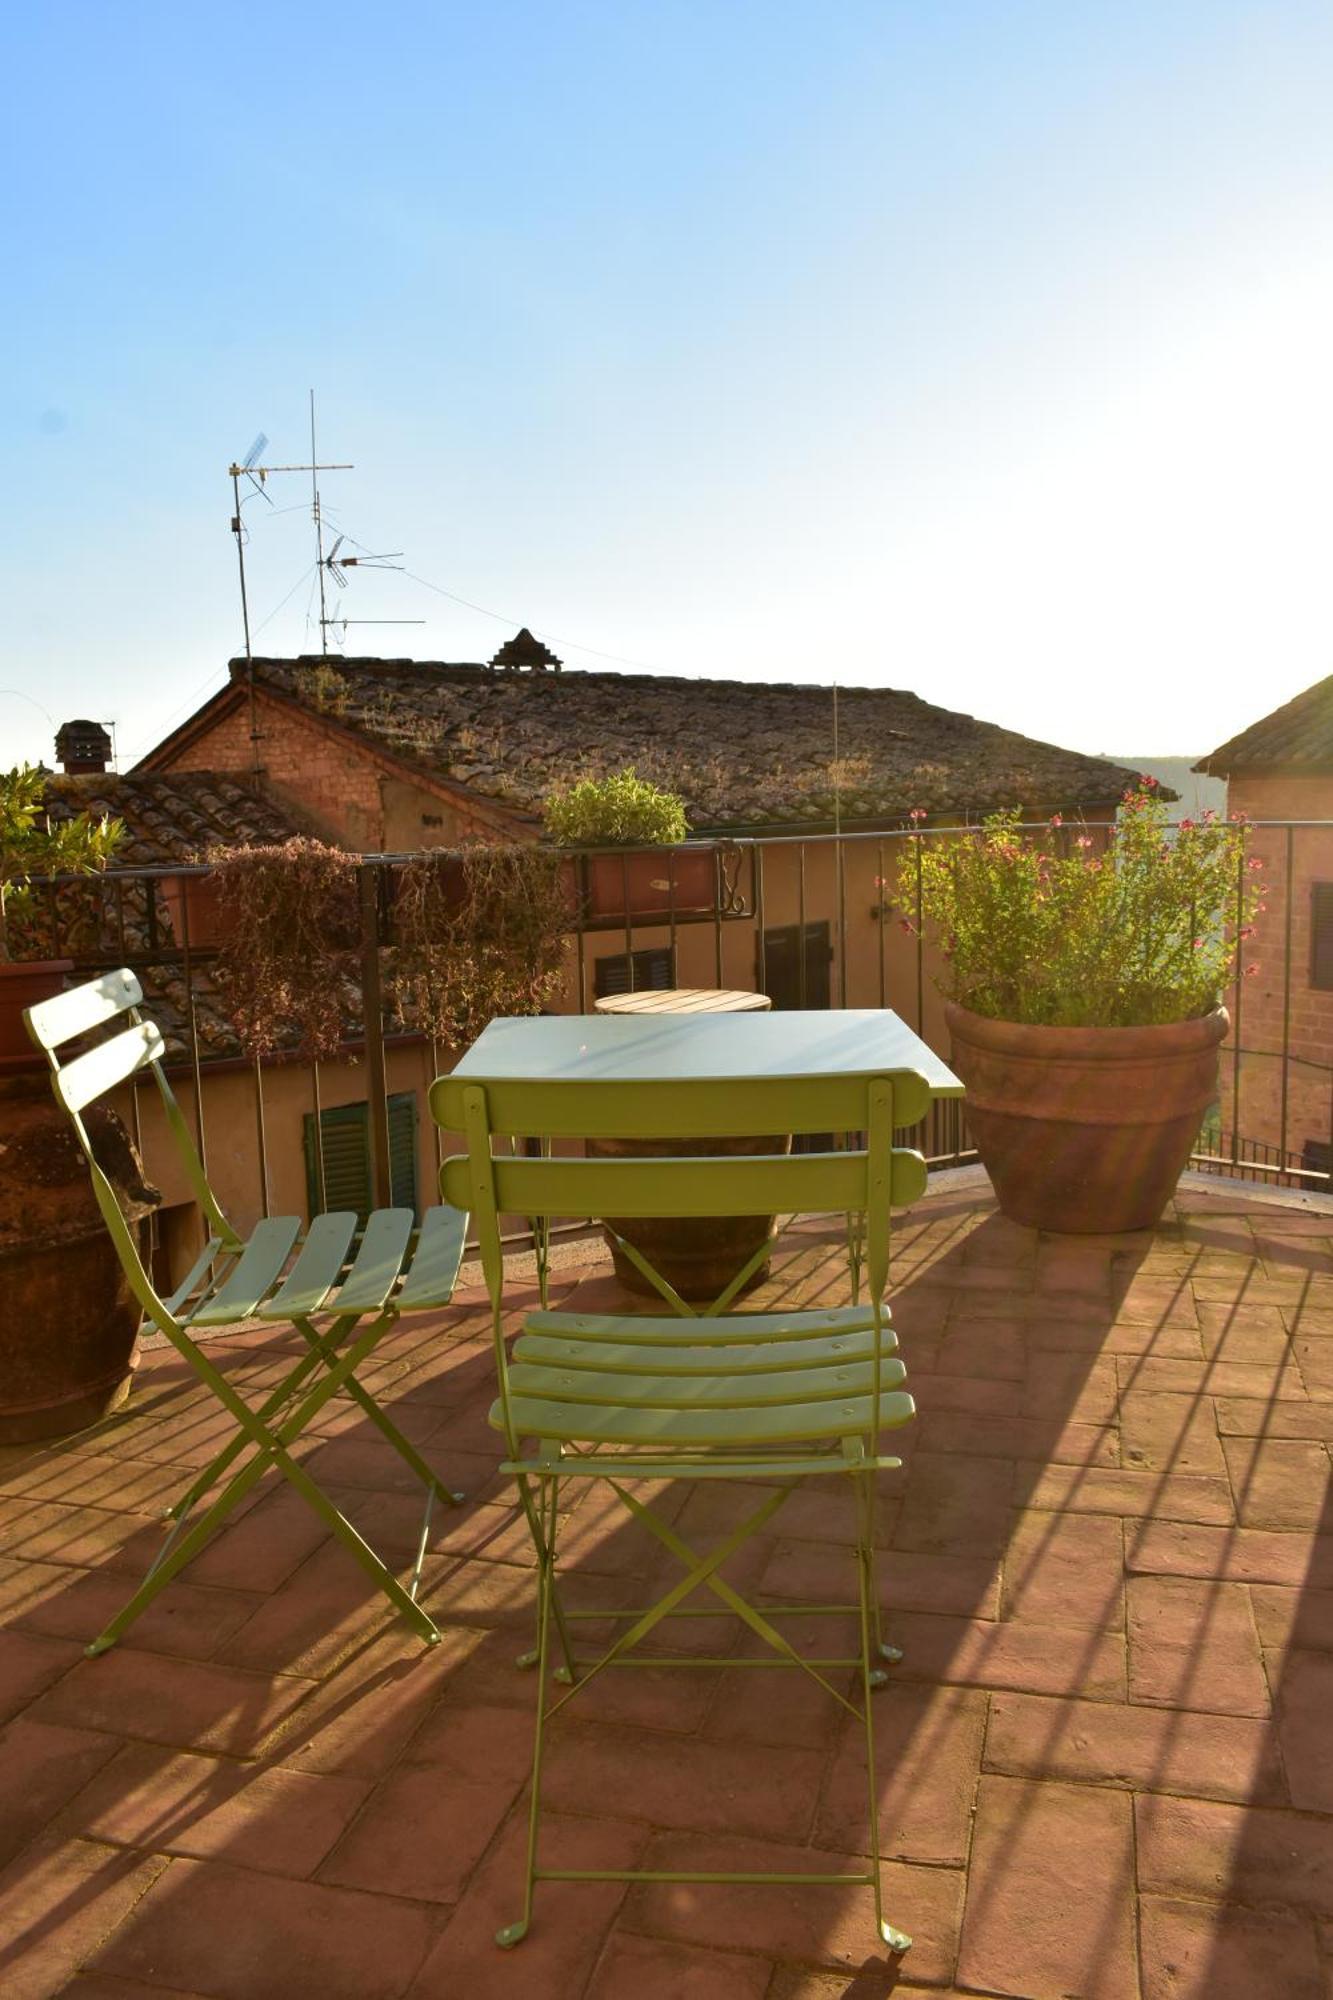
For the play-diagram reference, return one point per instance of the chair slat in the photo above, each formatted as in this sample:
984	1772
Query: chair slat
685	1108
762	1184
92	1075
435	1263
743	1390
257	1270
317	1268
671	1328
588	1423
379	1259
53	1022
196	1277
728	1361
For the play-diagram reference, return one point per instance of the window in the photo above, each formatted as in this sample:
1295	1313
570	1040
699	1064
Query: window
1321	936
345	1133
796	964
654	972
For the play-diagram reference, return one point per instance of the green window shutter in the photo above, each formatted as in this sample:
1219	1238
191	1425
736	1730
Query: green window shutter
345	1131
403	1149
654	970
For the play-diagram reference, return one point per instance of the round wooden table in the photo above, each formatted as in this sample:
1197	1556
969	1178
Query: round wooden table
684	1000
698	1256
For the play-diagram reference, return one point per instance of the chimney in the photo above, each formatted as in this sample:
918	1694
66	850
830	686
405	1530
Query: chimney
82	746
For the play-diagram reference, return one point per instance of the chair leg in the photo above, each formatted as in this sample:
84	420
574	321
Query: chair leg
896	1940
512	1934
271	1450
327	1353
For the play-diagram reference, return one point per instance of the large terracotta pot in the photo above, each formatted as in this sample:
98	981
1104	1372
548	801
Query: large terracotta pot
24	984
699	1255
69	1325
1085	1130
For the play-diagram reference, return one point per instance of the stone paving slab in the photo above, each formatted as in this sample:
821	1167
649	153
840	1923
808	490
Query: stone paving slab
1103	1765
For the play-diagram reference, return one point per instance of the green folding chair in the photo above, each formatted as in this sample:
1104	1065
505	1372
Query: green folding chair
767	1396
362	1279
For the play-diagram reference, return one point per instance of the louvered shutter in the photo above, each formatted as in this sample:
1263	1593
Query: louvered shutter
654	972
403	1149
1321	936
345	1130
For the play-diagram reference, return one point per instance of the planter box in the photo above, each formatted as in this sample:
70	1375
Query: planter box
646	883
22	985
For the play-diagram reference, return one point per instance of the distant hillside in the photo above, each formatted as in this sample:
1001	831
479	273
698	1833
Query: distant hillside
1196	792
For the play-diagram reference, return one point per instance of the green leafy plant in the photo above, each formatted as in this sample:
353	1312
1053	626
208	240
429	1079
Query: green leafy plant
32	844
620	811
480	932
1052	925
289	955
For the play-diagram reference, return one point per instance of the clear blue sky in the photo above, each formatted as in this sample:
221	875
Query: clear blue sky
984	350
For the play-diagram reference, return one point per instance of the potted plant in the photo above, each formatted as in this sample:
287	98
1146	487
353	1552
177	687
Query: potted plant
70	1324
628	812
32	929
1084	980
289	931
479	931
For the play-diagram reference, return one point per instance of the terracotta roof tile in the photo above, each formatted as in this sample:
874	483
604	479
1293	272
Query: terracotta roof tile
1298	736
742	753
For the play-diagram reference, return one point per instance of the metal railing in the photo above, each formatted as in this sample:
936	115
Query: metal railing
813	919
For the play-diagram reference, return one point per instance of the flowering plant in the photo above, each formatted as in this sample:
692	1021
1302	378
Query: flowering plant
1054	926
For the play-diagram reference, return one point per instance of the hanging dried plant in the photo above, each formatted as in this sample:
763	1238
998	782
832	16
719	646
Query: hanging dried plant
481	932
289	951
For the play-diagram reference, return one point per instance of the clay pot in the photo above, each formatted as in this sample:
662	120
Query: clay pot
193	905
699	1255
1085	1130
24	985
68	1332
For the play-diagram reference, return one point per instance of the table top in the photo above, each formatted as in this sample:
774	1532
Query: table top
669	1047
684	1000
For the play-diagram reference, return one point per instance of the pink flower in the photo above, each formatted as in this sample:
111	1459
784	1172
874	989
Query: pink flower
1250	971
1148	784
1254	863
1083	840
1187	826
1198	944
1056	819
1246	930
917	812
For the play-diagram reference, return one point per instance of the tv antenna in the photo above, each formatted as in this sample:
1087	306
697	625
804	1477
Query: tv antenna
334	565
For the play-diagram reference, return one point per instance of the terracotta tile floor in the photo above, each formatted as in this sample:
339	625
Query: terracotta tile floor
1106	1761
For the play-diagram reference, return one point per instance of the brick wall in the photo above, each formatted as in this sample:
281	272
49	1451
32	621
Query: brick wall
1279	1006
329	780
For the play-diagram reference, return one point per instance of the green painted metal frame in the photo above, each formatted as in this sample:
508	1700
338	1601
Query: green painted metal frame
750	1434
237	1280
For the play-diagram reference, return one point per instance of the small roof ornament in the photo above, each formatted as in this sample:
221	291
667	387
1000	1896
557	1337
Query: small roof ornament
524	654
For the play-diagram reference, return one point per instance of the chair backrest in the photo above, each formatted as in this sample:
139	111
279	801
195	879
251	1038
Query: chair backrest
112	1002
872	1177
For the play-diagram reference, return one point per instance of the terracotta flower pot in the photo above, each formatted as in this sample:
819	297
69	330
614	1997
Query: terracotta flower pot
193	907
1085	1130
24	984
69	1328
698	1255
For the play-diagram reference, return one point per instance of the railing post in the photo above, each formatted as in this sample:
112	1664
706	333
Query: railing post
372	1009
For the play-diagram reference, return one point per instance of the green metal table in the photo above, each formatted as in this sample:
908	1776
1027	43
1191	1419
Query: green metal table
843	1042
